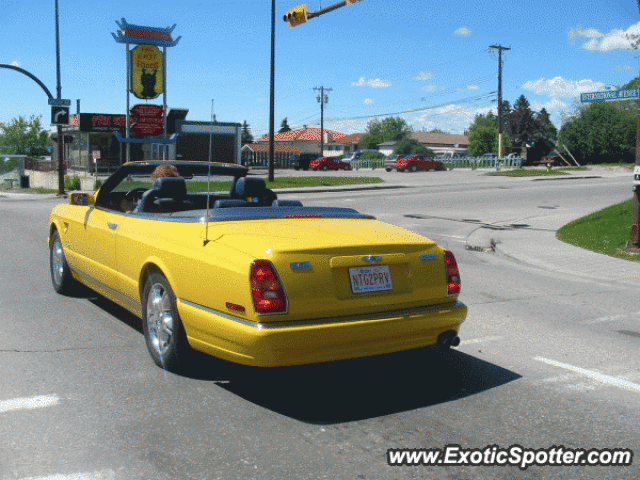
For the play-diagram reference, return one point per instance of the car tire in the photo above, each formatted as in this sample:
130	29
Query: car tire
325	168
163	331
61	278
388	169
413	168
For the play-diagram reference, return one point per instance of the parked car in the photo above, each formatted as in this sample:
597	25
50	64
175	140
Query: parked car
328	163
349	157
302	161
246	277
390	162
552	159
413	163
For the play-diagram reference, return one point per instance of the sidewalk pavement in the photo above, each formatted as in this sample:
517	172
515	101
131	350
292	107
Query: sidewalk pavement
533	241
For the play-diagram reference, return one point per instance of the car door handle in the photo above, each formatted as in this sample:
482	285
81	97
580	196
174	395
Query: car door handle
112	225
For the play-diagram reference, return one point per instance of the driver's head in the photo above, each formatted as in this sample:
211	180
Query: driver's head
164	170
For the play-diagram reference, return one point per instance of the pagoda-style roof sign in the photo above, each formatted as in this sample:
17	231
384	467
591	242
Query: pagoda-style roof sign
139	34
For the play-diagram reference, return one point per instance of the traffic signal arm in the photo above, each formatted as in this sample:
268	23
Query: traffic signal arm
299	14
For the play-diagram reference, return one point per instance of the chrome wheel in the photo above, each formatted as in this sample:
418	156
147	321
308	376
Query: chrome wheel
61	278
163	332
57	262
160	319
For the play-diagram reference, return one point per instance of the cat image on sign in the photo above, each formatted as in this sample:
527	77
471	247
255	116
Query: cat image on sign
148	81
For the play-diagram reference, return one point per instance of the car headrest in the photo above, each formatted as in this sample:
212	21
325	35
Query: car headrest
251	187
170	187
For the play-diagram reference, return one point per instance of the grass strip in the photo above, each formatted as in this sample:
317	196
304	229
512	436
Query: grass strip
605	231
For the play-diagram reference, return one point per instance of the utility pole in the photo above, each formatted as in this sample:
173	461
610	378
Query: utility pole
500	48
59	96
272	148
322	99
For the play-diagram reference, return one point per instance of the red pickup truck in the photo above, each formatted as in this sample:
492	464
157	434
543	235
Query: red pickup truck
413	163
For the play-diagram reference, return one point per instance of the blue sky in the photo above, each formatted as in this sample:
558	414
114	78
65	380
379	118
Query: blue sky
379	57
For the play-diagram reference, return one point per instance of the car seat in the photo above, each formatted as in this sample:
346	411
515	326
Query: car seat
169	194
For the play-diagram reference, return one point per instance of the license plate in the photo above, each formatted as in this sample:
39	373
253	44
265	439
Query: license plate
370	279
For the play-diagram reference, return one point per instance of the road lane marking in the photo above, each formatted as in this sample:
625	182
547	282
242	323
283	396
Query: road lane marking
28	403
100	475
598	377
480	340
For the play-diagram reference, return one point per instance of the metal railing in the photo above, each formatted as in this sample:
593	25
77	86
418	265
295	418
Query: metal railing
480	162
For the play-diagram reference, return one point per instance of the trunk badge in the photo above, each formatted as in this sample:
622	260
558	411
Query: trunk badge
371	258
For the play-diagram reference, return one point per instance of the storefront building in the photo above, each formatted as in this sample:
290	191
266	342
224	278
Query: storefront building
91	142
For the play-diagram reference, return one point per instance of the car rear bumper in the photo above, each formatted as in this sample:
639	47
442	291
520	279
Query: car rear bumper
318	340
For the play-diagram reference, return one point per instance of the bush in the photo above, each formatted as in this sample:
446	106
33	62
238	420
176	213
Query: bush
97	184
372	155
72	183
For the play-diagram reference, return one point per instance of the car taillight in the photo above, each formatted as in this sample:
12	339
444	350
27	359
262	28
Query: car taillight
266	288
453	274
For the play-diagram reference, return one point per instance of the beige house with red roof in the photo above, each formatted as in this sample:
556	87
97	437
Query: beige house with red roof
346	144
306	139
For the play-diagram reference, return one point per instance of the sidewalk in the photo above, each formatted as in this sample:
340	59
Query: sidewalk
533	241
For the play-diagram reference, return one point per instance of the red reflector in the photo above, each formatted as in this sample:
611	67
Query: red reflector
304	216
233	306
453	274
266	288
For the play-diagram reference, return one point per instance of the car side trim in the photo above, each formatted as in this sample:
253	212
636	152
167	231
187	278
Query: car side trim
120	298
327	320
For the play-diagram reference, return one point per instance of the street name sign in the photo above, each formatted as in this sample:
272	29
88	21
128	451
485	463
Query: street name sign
609	95
59	102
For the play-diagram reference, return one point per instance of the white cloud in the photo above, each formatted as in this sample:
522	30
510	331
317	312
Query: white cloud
373	83
368	101
584	32
624	68
468	88
429	88
462	32
616	39
553	104
563	88
424	76
15	63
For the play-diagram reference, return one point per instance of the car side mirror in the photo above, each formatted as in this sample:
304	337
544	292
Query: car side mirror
79	198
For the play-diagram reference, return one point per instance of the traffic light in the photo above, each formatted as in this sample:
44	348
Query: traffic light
296	15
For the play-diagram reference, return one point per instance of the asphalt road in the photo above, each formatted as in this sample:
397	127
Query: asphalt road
547	360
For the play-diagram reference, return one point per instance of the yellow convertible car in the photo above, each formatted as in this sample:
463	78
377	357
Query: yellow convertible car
211	260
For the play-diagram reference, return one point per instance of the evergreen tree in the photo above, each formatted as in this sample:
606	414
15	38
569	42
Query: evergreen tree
247	137
284	126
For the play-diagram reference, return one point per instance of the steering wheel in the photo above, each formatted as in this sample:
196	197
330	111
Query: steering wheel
135	193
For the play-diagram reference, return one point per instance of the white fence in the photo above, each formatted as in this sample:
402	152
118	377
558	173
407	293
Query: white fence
457	162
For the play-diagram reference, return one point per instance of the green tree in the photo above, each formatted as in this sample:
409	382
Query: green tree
247	137
546	136
410	146
521	124
602	133
483	135
390	129
284	126
24	137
